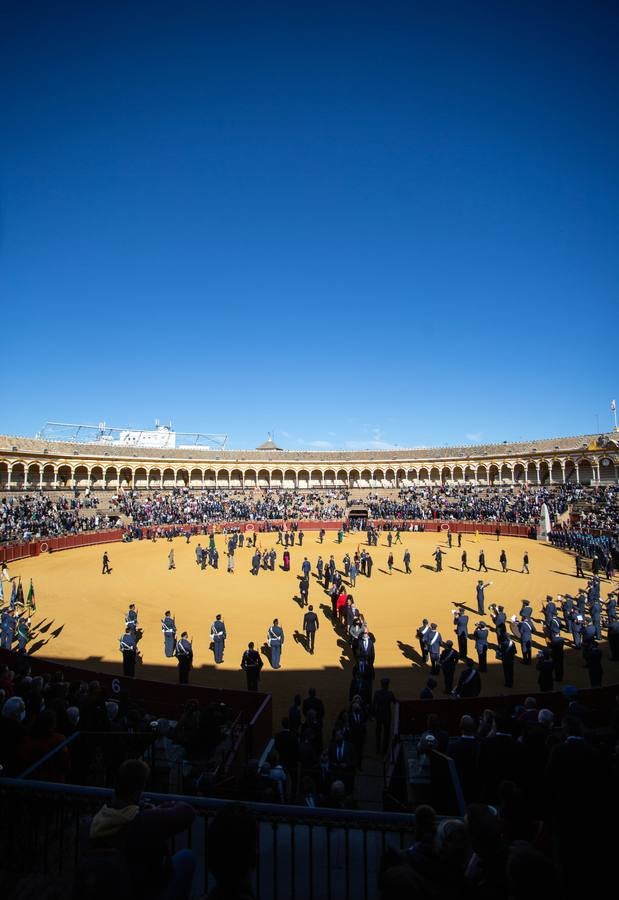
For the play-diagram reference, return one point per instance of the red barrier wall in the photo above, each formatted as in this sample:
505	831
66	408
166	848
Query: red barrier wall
10	552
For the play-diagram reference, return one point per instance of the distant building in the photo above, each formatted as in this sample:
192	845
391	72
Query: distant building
269	444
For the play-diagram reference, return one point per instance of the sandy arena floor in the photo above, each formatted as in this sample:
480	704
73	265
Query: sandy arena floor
83	611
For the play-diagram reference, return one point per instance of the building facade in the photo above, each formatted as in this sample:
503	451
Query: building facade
31	464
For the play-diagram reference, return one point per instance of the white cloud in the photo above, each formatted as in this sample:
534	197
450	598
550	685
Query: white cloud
369	445
473	436
320	445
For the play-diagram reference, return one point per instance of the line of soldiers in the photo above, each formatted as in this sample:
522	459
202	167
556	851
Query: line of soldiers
15	626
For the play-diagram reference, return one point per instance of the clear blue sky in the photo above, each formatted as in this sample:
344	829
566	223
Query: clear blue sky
356	224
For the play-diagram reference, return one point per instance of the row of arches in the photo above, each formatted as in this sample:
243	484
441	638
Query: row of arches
20	475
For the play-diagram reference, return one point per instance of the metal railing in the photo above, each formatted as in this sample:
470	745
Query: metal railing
303	852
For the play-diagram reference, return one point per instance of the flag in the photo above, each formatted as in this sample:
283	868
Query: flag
613	406
20	594
30	600
1	592
13	596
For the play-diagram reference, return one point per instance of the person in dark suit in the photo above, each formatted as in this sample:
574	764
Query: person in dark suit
312	703
251	663
286	744
434	642
381	710
593	661
447	663
556	654
310	627
341	759
364	647
480	595
482	564
469	682
480	636
357	729
461	621
128	648
506	653
428	692
499	760
421	637
544	667
184	655
464	750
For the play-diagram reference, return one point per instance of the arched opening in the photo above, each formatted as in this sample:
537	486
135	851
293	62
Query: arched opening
412	476
250	479
277	479
126	478
585	471
390	478
493	474
354	478
209	478
223	478
18	476
342	478
544	472
506	474
457	474
570	471
482	475
111	478
263	479
236	478
401	478
532	473
48	477
4	475
445	475
316	478
557	472
140	479
303	479
435	475
423	475
290	478
329	478
169	479
519	473
365	478
195	479
469	473
34	476
154	479
81	478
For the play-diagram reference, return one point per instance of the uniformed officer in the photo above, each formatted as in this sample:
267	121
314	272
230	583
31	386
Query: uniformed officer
128	649
319	567
526	610
556	654
7	627
611	609
407	561
526	636
480	636
275	639
579	570
506	653
306	567
346	562
480	595
23	633
310	627
168	627
218	637
272	558
447	662
131	618
482	563
251	663
433	643
499	619
184	655
421	637
461	622
255	563
596	618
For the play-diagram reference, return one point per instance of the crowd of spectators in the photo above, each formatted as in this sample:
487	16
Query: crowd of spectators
42	515
38	713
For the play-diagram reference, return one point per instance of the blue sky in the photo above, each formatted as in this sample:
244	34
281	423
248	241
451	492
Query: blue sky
355	224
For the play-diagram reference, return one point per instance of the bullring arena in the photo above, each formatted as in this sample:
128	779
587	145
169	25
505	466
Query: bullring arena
80	613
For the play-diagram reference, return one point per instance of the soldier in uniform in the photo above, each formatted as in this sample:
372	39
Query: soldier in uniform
526	636
499	619
168	627
506	653
272	558
306	567
461	621
184	655
469	682
447	662
255	563
251	663
131	619
319	567
556	654
128	648
275	639
7	629
433	643
421	637
218	637
480	636
310	627
526	610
